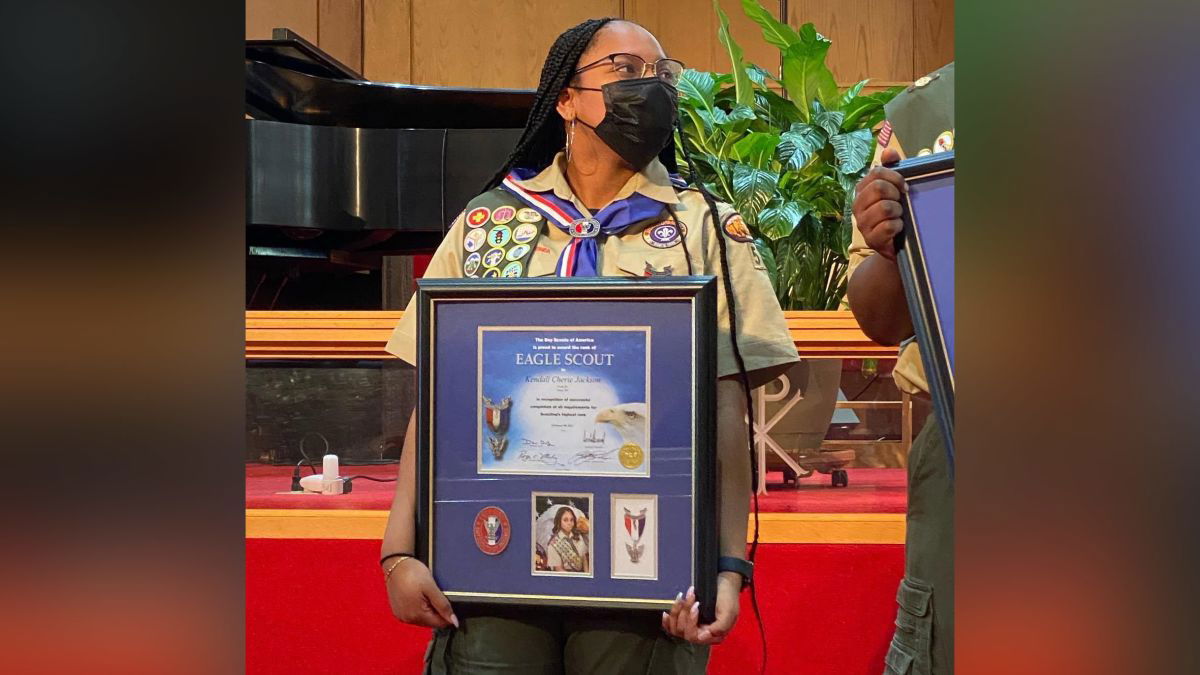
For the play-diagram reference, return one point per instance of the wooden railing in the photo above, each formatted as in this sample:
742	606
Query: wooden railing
362	335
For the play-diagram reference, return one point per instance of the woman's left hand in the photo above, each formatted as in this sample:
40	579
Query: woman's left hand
683	621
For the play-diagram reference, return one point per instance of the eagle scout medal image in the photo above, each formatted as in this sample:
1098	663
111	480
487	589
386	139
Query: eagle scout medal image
562	400
471	266
525	233
736	228
632	456
634	536
503	215
473	240
492	530
499	236
529	216
477	217
584	228
663	235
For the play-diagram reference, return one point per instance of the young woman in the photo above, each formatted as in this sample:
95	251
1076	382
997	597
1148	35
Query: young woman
597	146
567	550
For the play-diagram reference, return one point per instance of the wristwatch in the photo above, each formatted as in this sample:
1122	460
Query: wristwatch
745	568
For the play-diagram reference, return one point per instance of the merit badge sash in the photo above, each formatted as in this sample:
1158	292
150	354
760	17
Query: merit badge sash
499	235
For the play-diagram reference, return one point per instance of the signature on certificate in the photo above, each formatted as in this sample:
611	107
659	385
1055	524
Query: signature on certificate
547	458
592	456
531	443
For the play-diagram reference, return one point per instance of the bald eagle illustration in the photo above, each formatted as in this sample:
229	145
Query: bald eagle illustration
628	418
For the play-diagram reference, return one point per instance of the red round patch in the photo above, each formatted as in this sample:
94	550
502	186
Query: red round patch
492	530
477	217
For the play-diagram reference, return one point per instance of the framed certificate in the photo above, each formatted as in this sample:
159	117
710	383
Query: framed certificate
926	260
566	440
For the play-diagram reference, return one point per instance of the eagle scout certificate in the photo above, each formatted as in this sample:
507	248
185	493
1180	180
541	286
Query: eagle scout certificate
566	438
564	400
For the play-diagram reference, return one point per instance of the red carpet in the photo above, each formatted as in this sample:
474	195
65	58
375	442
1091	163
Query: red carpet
869	491
317	606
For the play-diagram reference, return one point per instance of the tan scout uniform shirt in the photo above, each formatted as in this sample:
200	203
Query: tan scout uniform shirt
928	110
763	336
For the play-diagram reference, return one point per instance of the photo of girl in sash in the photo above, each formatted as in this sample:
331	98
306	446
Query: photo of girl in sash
561	533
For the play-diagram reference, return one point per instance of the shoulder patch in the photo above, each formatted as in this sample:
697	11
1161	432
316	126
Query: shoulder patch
735	228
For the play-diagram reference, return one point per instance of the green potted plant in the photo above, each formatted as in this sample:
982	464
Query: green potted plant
786	150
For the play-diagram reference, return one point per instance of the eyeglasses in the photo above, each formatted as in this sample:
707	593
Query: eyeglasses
632	67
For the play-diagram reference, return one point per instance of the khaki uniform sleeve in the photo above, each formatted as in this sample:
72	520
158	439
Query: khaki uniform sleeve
766	344
446	264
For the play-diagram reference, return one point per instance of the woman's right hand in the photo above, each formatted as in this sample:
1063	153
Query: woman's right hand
415	597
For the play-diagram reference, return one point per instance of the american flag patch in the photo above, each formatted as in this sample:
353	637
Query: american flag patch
885	134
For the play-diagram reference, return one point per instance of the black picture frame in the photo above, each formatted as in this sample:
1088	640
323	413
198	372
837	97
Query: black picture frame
927	316
701	294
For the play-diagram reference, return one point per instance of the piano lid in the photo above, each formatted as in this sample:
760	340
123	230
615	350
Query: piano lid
290	80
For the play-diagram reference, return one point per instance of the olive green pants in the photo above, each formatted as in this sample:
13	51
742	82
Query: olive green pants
924	640
547	641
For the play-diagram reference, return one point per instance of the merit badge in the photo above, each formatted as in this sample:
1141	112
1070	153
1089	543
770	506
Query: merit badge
584	228
525	233
499	235
503	214
635	527
631	455
529	216
517	252
492	530
471	266
473	240
491	273
477	217
944	142
663	235
924	151
736	228
512	269
493	257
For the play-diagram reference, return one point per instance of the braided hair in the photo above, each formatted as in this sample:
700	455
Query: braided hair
544	135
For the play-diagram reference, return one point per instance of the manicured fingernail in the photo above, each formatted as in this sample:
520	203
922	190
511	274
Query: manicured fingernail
691	591
454	620
704	635
664	616
696	608
679	596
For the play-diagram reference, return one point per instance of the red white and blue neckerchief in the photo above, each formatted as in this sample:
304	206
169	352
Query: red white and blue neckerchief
579	257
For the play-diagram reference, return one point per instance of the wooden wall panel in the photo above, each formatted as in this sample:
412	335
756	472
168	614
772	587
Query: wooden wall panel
387	47
687	30
871	38
339	30
264	15
933	36
491	43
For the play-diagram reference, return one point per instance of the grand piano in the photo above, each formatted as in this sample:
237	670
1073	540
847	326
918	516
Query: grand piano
347	179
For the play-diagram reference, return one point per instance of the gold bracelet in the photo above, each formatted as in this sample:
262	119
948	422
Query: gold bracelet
388	574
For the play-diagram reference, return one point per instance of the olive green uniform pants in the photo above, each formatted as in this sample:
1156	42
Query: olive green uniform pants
924	640
549	641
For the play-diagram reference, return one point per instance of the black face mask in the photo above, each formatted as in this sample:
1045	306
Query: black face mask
639	118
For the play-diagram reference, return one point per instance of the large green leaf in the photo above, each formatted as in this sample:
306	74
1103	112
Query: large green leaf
852	150
829	120
780	112
805	75
864	112
752	189
744	89
850	94
778	219
713	118
756	149
697	87
797	146
774	31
